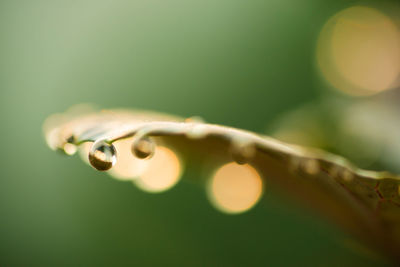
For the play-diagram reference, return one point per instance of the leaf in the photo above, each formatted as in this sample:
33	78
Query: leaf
365	203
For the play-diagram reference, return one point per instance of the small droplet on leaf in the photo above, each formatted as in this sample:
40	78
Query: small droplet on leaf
69	149
102	156
195	119
197	131
347	176
294	164
311	166
243	150
334	171
143	148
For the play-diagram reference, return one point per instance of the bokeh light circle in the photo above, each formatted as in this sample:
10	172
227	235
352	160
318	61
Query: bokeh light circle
358	51
235	188
128	166
162	172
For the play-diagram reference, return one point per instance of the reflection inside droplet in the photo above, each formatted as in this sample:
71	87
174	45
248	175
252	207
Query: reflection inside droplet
163	171
128	166
102	156
235	188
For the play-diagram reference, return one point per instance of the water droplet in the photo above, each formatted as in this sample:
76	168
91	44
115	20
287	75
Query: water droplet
243	150
311	166
197	131
195	119
294	164
347	175
143	148
102	156
334	171
69	149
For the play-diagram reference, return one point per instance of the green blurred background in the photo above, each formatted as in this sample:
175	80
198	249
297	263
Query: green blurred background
237	63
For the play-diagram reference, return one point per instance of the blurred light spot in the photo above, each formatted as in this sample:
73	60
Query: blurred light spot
358	51
52	131
235	188
128	166
162	172
302	126
368	130
84	150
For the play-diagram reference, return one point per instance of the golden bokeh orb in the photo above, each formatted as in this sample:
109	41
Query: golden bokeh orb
358	51
128	166
162	172
235	188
